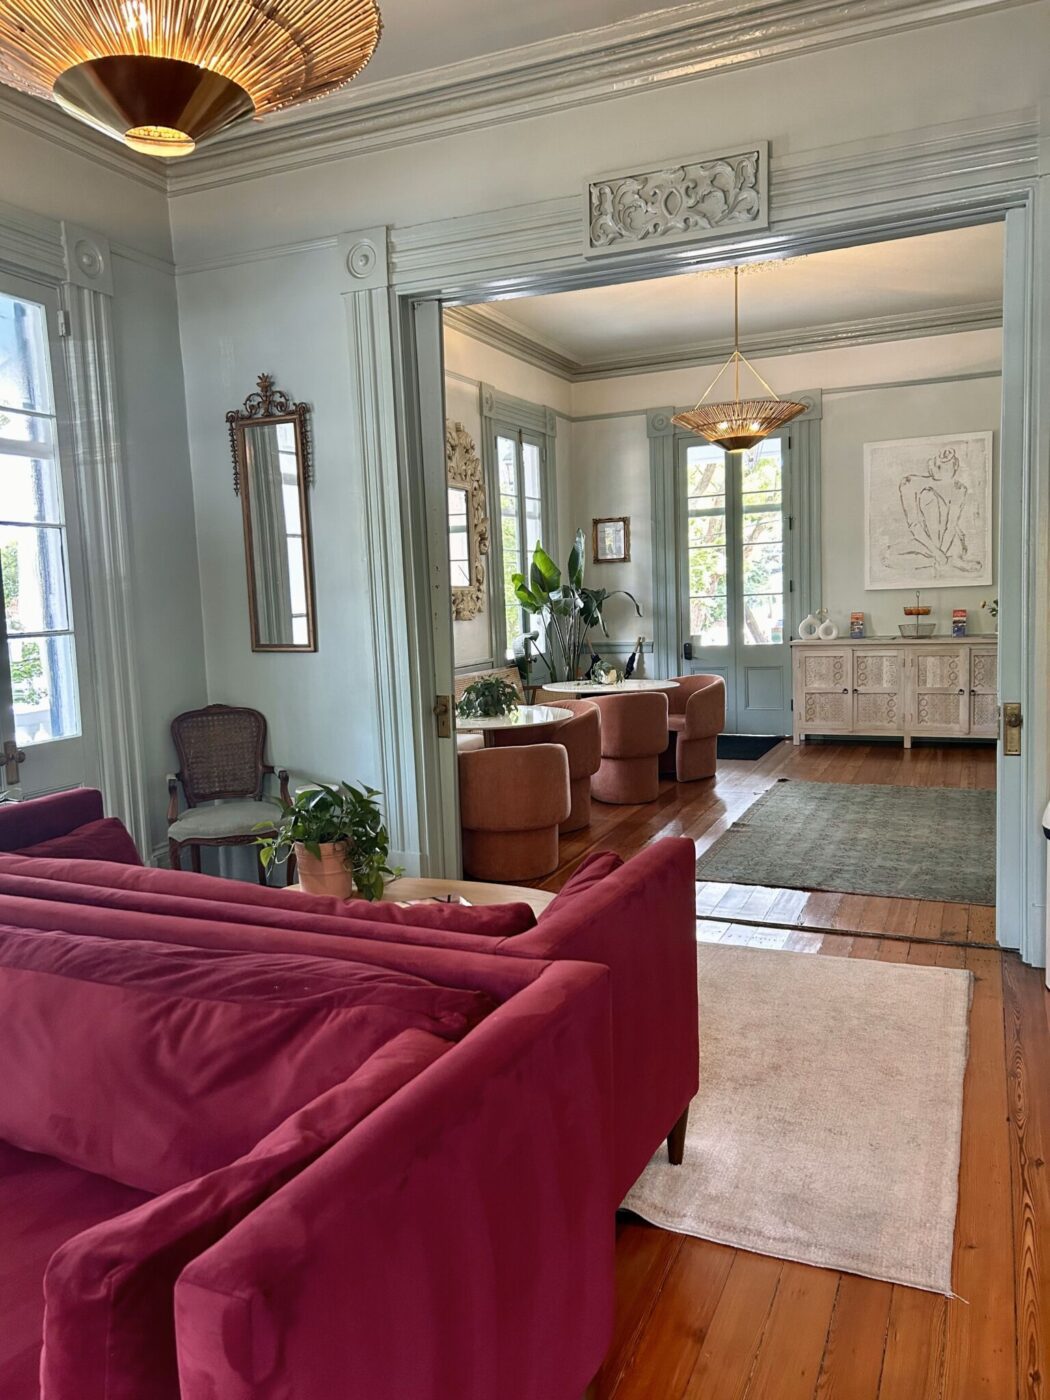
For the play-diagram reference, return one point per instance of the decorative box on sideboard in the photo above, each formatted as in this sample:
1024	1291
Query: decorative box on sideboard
934	688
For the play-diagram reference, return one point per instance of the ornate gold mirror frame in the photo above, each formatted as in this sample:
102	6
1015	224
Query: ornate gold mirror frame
270	445
464	472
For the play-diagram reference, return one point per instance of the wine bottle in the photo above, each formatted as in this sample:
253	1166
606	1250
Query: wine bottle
628	670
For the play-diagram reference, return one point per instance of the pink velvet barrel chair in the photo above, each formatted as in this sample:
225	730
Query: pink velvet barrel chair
511	803
697	715
634	735
581	738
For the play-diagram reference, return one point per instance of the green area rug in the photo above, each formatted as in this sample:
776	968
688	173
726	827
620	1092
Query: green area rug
910	842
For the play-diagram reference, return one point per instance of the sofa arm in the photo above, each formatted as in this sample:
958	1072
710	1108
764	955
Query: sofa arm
43	818
640	921
456	1245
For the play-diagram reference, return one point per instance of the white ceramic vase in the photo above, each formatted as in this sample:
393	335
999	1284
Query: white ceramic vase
827	631
809	627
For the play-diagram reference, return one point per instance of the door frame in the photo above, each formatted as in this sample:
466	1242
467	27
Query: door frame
490	270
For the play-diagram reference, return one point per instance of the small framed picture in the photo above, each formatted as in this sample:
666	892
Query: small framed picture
612	539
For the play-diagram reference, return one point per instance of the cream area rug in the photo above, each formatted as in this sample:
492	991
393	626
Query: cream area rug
828	1122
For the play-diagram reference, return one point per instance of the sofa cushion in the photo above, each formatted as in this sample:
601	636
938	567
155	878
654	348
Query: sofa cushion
590	872
152	1063
106	839
43	1203
110	1324
209	896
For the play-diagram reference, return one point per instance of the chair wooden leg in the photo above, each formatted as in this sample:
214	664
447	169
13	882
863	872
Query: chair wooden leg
260	869
195	859
173	855
676	1140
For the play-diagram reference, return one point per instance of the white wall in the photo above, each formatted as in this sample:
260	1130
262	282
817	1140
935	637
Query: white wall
285	319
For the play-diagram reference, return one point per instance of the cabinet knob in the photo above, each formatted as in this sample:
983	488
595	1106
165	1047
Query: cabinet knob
962	691
845	690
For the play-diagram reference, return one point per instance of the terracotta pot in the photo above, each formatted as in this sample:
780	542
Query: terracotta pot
325	875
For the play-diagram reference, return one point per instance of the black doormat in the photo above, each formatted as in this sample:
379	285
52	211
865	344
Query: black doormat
747	745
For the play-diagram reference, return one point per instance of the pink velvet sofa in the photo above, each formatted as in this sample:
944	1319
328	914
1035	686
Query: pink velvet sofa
455	1172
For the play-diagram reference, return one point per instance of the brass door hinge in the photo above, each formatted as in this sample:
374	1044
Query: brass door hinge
443	715
1013	721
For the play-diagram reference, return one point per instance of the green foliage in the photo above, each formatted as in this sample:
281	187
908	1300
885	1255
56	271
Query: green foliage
324	815
487	698
567	609
25	672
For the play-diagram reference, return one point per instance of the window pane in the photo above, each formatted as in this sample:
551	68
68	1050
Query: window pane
763	527
708	625
24	378
290	498
763	620
27	427
507	456
761	498
707	572
29	489
34	577
530	456
763	568
296	575
43	676
705	471
761	467
706	529
300	635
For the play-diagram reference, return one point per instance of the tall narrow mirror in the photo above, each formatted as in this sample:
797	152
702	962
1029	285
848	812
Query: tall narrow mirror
270	442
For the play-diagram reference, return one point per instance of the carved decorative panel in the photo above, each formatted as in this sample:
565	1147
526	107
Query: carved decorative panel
984	714
464	473
984	670
877	710
706	197
938	710
827	708
877	670
939	670
824	672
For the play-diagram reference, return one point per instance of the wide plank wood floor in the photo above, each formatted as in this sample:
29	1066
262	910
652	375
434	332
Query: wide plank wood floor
705	810
704	1321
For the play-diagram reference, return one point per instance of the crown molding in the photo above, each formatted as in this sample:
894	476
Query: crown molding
49	122
485	324
667	46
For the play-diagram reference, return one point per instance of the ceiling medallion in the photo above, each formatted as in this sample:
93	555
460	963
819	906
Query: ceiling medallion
737	424
162	75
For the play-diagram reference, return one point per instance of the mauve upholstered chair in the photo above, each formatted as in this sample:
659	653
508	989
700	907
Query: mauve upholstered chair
634	735
697	715
581	738
511	803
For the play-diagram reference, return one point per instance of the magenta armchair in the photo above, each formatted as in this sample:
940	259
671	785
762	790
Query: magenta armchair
511	803
581	738
697	715
634	735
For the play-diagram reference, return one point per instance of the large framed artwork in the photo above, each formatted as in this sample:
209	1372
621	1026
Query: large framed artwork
928	511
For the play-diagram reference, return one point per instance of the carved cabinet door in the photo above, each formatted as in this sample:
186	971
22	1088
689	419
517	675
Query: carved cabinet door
941	691
878	691
984	692
825	682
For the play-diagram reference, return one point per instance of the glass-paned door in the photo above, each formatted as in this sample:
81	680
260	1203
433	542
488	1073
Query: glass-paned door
733	539
519	459
45	706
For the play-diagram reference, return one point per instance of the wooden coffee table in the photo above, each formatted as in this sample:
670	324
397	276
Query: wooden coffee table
410	887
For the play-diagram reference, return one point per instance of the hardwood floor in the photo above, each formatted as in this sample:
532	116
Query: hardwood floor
703	811
703	1321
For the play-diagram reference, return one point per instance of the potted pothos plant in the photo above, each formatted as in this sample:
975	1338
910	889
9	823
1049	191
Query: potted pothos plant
567	609
487	698
339	839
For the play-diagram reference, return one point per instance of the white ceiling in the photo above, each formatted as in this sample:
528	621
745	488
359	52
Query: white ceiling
957	269
418	35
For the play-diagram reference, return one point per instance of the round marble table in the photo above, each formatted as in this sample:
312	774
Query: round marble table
631	687
528	724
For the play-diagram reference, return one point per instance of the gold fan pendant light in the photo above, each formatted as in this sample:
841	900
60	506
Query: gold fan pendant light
737	424
162	75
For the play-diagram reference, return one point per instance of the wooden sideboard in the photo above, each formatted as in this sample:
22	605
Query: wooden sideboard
936	688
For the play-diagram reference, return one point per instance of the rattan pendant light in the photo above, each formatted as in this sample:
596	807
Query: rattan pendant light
737	423
164	74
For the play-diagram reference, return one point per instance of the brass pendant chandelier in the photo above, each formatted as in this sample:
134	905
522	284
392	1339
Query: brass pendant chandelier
162	75
737	424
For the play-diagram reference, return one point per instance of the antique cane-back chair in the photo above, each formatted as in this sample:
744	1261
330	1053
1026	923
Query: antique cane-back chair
222	771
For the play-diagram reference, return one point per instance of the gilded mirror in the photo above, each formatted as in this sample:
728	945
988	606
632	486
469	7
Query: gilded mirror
468	523
270	443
